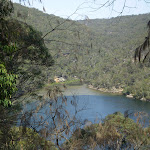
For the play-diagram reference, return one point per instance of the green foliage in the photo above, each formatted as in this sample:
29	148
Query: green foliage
23	52
66	43
6	8
98	50
116	132
141	89
26	139
7	86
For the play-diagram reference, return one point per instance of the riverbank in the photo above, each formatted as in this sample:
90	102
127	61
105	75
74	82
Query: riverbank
115	91
112	90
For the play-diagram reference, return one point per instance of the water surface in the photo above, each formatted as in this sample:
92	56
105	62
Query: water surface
98	105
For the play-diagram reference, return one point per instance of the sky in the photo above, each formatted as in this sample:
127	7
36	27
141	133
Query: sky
92	9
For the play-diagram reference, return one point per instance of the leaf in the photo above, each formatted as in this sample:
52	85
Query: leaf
44	9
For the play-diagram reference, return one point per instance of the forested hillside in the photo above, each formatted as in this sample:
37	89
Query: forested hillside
118	39
100	51
24	58
68	41
35	47
24	61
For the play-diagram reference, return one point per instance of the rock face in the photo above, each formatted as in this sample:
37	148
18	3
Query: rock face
116	90
129	96
143	99
112	90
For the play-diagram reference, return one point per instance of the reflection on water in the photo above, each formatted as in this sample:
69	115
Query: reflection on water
98	105
92	106
82	90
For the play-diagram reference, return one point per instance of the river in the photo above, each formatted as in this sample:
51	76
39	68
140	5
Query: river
98	105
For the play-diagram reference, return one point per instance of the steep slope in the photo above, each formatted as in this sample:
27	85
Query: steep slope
118	38
23	52
68	41
100	51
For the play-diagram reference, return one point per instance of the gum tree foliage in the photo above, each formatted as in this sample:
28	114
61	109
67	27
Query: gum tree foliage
59	116
50	117
21	44
7	86
22	51
142	51
144	47
6	8
45	125
28	140
7	81
115	132
95	5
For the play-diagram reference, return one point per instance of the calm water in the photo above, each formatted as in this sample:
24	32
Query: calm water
97	105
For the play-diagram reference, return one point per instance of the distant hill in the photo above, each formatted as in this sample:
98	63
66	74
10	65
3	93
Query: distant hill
68	42
100	51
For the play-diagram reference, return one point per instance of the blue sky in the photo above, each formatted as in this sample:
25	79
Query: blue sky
89	8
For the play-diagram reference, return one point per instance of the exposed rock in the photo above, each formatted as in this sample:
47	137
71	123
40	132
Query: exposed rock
129	96
143	99
112	90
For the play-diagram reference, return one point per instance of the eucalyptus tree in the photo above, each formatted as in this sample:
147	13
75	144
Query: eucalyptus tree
144	47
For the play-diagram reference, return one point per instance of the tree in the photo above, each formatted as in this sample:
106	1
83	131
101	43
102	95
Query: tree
20	45
6	8
7	81
56	124
7	86
23	45
144	47
115	132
